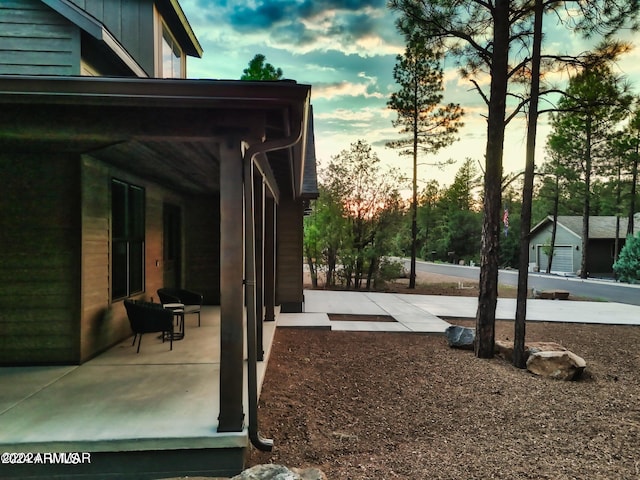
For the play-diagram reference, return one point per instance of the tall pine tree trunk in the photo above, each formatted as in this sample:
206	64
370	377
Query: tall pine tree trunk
519	359
488	296
587	203
554	228
634	182
414	200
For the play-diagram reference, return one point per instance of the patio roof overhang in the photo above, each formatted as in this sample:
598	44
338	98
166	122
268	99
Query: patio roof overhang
165	130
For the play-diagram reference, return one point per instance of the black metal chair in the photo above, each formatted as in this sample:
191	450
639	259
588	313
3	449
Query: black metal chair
147	317
192	301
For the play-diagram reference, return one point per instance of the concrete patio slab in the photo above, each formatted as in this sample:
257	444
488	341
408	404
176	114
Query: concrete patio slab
159	406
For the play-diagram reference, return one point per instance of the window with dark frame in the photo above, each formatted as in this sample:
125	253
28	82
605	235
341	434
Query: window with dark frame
127	239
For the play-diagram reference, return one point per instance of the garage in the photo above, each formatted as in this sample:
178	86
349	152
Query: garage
562	259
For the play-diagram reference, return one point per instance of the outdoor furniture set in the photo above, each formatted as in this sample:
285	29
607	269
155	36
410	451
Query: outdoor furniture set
148	317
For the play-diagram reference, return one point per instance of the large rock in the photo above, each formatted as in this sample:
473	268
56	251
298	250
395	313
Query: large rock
279	472
559	365
460	337
504	348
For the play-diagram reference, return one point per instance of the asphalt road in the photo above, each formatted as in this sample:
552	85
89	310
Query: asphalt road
595	289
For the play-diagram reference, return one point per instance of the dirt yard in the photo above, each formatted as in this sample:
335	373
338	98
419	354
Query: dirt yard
406	406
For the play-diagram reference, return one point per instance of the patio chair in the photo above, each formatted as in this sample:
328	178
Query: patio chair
146	317
192	301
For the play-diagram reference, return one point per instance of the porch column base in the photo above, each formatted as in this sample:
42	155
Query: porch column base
292	307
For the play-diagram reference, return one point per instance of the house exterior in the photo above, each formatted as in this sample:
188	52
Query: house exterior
121	176
567	256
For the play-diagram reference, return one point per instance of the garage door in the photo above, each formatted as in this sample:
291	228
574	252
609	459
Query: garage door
562	259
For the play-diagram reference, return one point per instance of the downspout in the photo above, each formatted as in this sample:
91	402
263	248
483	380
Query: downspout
263	444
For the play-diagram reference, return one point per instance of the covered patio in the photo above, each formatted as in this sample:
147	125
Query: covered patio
222	171
147	415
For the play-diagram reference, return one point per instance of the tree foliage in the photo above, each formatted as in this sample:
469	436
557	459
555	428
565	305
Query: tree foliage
427	125
583	131
259	70
494	38
627	268
354	225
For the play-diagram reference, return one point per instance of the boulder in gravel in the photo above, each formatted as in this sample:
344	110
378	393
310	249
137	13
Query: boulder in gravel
504	348
280	472
460	337
559	365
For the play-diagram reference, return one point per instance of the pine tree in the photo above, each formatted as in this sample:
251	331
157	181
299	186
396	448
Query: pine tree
258	70
594	104
627	268
427	125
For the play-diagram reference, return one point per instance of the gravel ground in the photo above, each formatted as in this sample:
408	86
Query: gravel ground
362	405
382	405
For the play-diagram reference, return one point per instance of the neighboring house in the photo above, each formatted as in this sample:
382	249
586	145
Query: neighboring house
567	256
116	181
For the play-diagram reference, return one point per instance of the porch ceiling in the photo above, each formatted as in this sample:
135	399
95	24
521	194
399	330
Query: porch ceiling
185	166
166	131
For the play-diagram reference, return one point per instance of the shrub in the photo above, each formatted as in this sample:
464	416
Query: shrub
627	268
389	269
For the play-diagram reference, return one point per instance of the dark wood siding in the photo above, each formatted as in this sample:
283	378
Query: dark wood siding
100	328
202	247
36	40
130	22
39	260
289	279
105	323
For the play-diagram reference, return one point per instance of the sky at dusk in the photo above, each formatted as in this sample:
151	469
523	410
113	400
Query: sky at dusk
346	50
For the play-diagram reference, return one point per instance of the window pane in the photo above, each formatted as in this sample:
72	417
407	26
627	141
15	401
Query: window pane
171	57
177	62
118	209
167	57
136	267
119	281
136	213
128	221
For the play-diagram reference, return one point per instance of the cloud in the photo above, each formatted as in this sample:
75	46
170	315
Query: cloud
351	115
344	89
363	27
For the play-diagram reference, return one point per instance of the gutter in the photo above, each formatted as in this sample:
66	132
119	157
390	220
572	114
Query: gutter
261	443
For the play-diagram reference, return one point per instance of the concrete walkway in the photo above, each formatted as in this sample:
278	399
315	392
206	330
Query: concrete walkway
428	313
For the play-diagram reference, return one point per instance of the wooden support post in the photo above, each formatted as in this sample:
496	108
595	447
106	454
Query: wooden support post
258	206
231	418
269	259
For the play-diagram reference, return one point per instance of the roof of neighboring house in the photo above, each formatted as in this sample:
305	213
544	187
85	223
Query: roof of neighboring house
600	227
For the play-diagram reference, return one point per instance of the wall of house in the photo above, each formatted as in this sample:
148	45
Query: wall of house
39	260
202	247
289	294
130	22
103	321
36	40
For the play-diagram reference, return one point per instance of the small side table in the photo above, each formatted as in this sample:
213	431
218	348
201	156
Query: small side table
178	312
